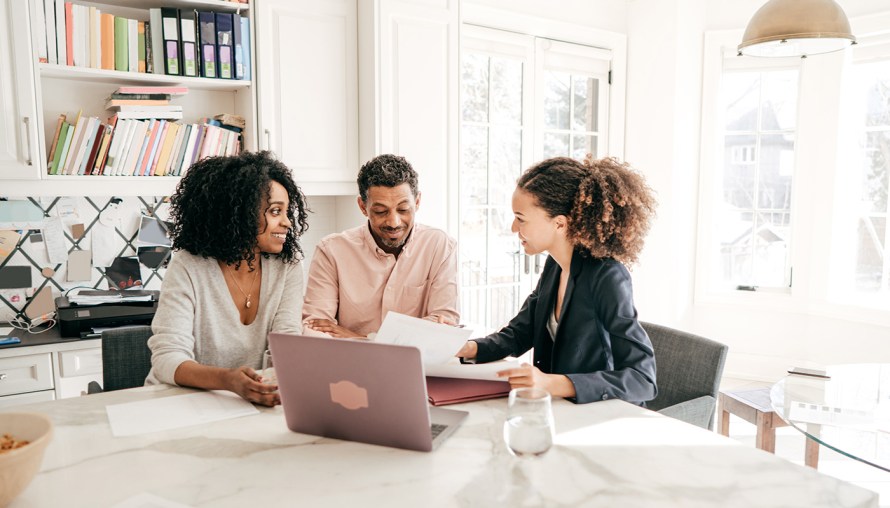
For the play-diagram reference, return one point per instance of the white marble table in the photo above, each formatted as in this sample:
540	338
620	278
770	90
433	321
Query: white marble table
607	454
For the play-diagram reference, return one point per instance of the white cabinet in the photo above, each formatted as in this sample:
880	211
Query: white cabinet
307	68
34	94
76	369
27	373
410	101
19	153
48	372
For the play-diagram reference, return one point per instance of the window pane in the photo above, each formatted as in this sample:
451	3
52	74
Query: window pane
556	145
754	226
583	145
556	100
506	155
506	91
869	257
474	88
474	222
474	165
586	93
741	94
877	167
775	166
770	248
504	252
878	94
738	173
779	101
504	302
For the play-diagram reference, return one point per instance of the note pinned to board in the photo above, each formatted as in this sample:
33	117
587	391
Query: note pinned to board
20	214
8	241
437	342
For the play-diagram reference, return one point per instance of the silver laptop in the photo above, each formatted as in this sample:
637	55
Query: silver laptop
358	391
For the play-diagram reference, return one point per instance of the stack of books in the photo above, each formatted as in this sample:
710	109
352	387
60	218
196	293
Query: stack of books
145	102
182	42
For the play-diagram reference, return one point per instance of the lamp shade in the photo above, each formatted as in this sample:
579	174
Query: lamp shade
797	28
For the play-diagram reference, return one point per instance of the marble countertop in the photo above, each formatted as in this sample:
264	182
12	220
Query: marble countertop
606	454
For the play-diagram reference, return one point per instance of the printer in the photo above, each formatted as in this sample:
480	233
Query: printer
75	318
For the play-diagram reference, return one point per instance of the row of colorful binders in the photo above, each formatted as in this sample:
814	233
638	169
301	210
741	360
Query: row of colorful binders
131	147
181	42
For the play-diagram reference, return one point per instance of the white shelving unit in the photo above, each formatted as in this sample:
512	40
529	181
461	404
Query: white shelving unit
62	89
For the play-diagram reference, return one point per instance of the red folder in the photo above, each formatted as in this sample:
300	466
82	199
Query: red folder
446	390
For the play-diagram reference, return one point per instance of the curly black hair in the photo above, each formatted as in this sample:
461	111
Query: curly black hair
607	203
386	170
219	207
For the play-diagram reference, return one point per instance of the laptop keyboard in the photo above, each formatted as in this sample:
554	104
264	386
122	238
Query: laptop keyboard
436	429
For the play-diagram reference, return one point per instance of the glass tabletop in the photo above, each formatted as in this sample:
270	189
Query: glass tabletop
848	412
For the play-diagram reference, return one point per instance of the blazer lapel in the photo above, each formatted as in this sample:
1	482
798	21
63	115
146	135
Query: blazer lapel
574	271
546	299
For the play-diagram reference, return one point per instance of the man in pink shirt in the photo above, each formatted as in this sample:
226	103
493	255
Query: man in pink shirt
388	264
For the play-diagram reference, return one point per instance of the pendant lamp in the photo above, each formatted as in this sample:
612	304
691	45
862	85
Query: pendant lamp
784	28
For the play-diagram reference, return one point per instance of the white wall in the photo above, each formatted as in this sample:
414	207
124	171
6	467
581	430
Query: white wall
662	139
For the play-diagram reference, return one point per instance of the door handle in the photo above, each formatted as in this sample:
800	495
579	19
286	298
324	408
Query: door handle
2	377
268	139
27	123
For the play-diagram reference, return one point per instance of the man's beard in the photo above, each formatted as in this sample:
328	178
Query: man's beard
393	244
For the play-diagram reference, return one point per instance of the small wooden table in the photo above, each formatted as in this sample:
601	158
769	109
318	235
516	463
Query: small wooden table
754	407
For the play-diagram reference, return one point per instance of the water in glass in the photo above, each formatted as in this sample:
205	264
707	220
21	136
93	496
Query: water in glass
528	429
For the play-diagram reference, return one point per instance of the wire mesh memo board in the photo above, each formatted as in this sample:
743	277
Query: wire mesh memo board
123	213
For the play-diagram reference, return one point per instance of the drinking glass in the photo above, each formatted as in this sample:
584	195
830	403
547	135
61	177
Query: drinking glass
268	372
528	429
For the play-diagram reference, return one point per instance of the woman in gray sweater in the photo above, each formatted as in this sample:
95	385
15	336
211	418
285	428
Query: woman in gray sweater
235	275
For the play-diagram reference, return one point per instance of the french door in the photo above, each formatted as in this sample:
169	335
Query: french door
523	99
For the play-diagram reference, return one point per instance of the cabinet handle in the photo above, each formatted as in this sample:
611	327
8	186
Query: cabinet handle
268	139
27	122
537	263
525	263
2	377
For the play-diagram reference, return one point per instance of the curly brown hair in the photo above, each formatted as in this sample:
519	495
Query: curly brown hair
219	204
607	203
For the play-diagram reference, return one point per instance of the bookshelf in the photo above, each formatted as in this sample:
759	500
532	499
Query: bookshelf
62	89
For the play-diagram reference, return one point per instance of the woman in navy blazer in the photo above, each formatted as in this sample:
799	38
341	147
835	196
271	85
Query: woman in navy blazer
591	218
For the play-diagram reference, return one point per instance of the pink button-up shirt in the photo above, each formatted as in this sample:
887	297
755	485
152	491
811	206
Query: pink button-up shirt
355	283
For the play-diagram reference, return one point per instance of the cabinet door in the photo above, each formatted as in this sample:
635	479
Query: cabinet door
19	150
308	89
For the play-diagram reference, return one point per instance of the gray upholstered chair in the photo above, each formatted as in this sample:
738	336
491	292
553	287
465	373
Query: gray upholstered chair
126	359
688	376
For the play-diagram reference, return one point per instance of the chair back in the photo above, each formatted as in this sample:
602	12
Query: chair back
126	359
689	368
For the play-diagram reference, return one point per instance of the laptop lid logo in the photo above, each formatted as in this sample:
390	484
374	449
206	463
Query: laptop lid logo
349	395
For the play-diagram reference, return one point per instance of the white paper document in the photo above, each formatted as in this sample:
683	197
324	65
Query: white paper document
168	413
456	369
437	342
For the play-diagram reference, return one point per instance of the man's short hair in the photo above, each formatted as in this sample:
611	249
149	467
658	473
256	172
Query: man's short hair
386	170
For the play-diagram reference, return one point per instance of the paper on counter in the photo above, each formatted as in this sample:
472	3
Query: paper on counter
437	342
133	418
487	371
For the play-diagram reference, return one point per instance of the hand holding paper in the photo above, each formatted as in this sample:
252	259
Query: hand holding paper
437	342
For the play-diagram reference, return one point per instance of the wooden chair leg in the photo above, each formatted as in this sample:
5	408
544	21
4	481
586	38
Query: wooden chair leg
811	454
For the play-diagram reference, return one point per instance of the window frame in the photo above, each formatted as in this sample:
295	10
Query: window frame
819	188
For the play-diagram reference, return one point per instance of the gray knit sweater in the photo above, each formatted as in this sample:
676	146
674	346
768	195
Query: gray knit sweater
197	319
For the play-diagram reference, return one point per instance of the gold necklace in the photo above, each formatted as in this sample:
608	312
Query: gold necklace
247	295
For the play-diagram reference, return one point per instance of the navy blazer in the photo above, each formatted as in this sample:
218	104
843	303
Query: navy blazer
600	345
